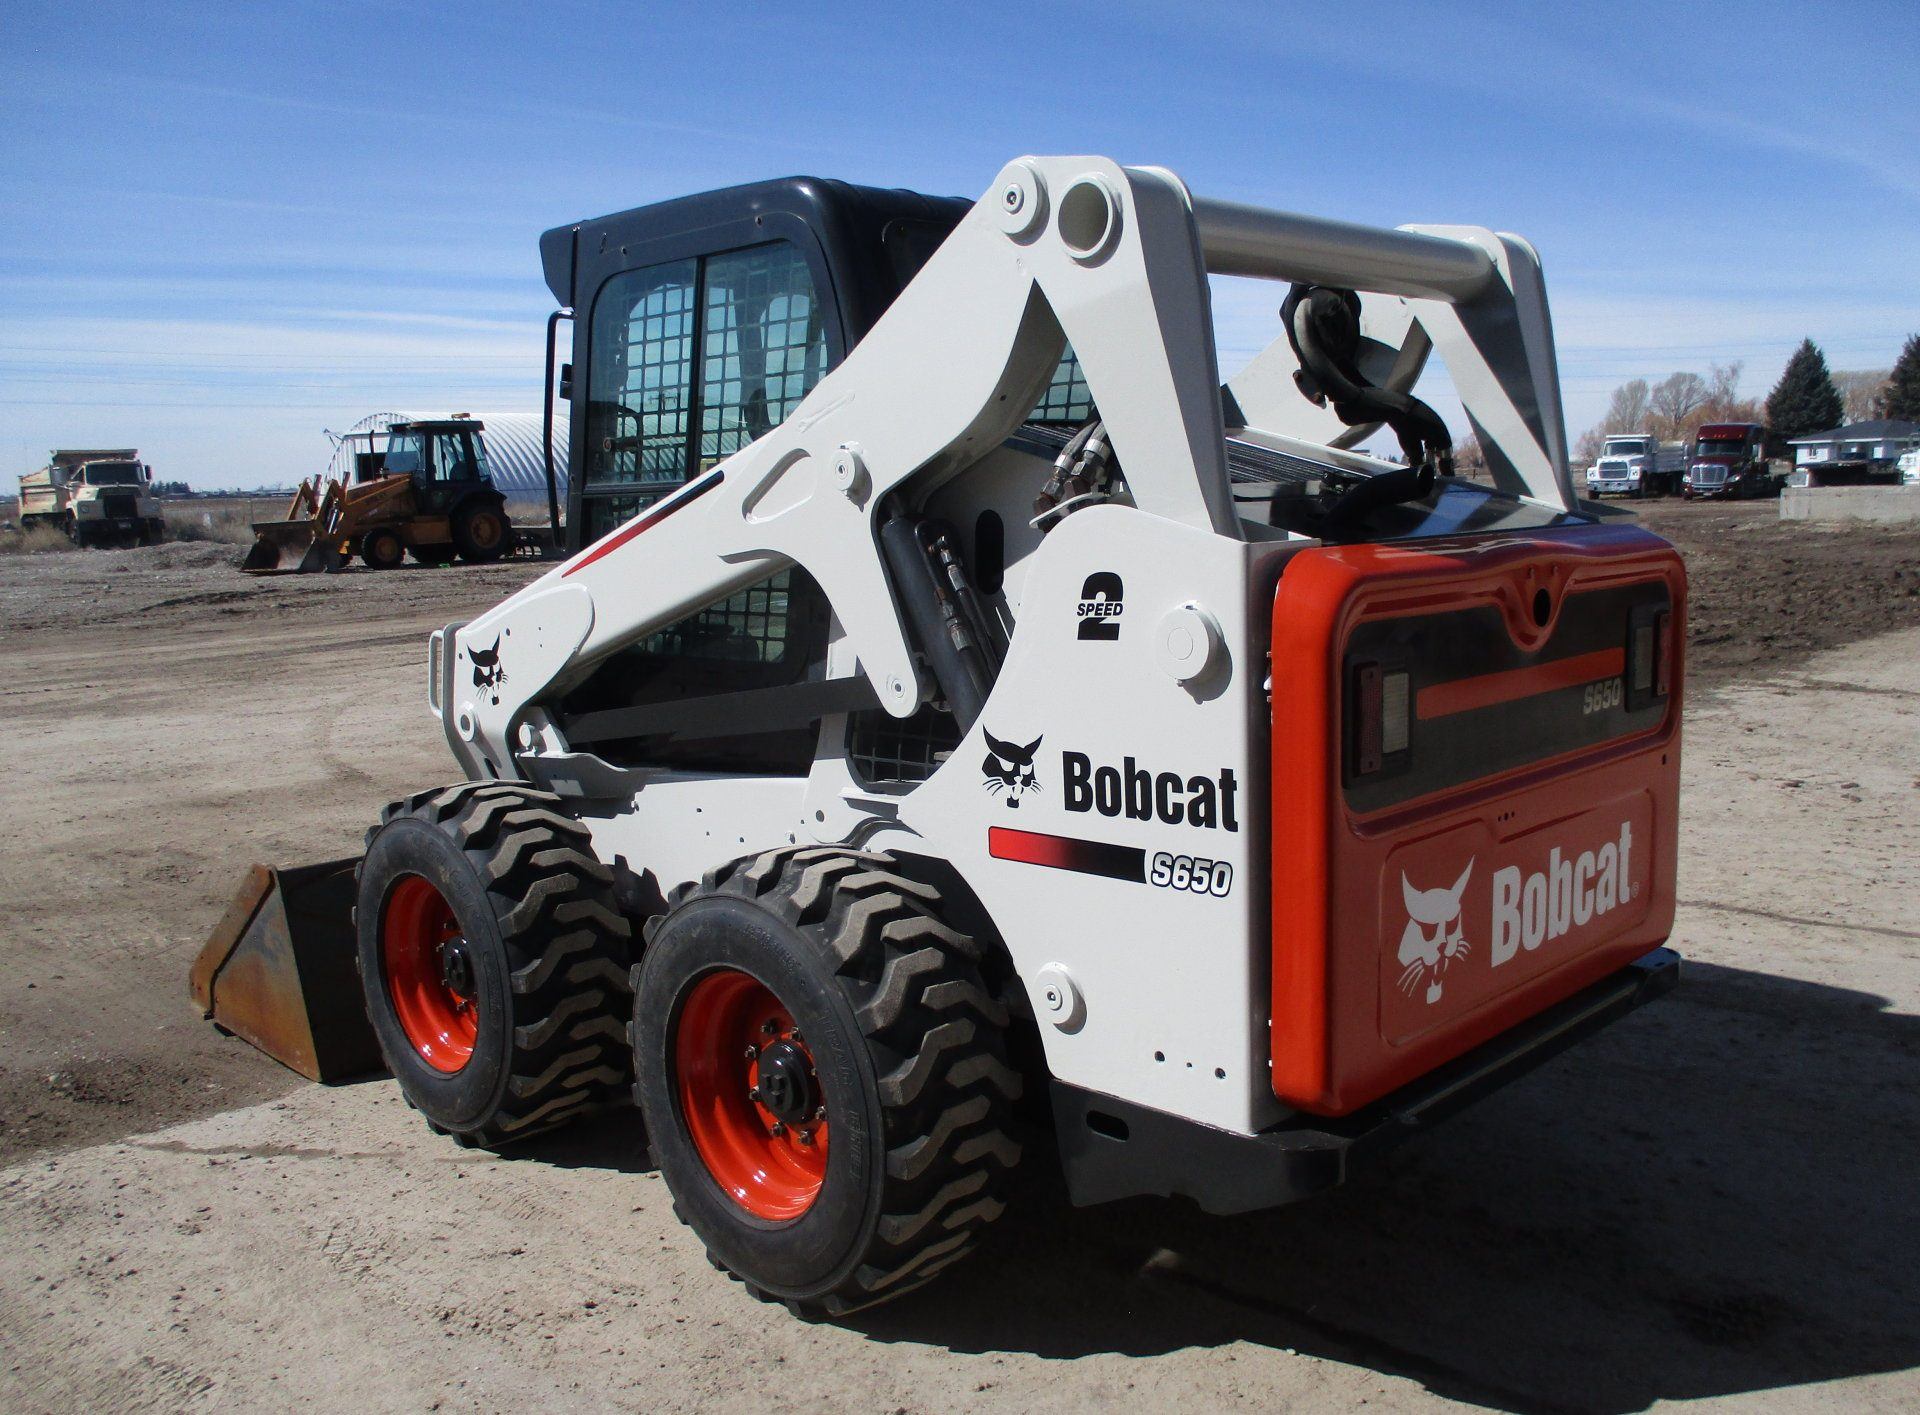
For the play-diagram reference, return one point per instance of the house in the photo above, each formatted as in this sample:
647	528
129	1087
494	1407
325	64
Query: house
1880	441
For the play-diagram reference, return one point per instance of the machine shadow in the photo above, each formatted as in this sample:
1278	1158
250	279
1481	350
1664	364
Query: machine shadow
1715	1197
616	1140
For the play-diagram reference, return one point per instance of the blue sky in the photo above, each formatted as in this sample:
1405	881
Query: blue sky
224	228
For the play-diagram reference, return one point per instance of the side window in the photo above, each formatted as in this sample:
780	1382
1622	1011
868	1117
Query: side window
689	362
452	459
770	635
639	391
404	454
764	346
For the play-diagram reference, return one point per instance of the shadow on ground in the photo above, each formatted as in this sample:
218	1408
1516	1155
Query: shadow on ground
1716	1197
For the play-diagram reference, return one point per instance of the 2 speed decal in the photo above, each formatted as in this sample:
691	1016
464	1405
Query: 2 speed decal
1101	605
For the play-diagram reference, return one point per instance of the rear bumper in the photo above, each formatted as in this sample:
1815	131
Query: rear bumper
1112	1149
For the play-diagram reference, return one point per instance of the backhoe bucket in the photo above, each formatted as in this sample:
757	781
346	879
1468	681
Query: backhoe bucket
289	548
278	971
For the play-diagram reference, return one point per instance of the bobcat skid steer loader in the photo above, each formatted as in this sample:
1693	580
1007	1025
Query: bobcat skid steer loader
969	696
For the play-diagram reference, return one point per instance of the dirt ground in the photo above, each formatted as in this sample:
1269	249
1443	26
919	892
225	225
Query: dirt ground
1713	1199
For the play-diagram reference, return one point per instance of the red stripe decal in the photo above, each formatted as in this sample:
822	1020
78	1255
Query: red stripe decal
1489	689
1063	852
647	519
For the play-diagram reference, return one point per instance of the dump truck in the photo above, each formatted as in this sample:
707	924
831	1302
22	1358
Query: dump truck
94	497
427	495
976	731
1637	464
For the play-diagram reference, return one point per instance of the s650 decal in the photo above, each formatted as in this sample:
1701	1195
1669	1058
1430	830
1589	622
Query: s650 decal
1195	874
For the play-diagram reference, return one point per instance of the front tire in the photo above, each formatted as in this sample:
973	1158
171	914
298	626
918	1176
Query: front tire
863	1145
383	549
493	961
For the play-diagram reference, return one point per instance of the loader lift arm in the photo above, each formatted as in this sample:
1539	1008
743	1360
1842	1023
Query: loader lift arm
1112	260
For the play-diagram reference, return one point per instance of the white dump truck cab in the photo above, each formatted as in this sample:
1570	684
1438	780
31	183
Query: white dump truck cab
1628	465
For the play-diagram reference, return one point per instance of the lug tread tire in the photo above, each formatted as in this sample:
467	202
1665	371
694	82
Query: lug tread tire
567	949
936	1038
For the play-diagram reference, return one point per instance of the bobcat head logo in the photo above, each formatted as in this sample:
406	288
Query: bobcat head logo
1009	768
1434	936
488	675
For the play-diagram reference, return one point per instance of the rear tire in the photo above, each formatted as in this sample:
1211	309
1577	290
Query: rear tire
493	961
382	548
882	1008
480	532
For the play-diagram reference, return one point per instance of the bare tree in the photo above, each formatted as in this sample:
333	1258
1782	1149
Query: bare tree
1676	398
1863	392
1628	409
1470	459
1723	403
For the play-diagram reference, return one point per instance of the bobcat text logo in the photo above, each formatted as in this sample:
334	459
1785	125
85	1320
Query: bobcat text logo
1009	768
488	675
1435	936
1143	795
1529	909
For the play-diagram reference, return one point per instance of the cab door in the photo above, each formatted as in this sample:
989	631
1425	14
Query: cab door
448	473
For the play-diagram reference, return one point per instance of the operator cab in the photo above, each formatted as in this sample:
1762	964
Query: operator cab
446	460
700	323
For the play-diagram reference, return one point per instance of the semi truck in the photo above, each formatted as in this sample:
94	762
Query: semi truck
1637	464
96	497
1729	459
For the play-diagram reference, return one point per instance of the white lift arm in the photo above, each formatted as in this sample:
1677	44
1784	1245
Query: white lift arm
1066	249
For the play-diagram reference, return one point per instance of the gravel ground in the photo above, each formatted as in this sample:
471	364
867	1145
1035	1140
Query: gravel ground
1710	1200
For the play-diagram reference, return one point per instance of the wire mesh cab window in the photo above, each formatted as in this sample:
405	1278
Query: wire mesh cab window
763	345
1066	399
772	634
688	362
640	380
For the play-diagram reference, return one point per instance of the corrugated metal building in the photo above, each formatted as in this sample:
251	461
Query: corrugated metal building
513	449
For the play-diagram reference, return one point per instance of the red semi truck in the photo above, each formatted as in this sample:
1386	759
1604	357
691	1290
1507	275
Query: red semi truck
1728	459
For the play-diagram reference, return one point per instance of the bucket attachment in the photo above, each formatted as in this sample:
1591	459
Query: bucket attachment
290	548
278	971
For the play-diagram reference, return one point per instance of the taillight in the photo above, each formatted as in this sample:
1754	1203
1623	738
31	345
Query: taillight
1649	655
1381	701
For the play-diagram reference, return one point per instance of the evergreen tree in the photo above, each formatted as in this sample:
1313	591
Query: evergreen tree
1804	400
1901	401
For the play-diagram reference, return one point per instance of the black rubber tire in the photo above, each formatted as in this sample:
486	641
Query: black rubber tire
431	554
551	954
910	1048
383	548
481	531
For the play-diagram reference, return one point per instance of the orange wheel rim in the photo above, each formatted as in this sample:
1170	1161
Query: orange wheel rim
429	974
750	1096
